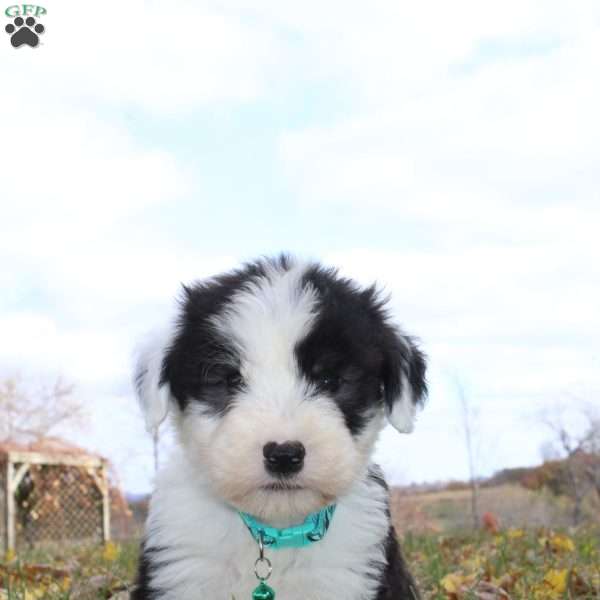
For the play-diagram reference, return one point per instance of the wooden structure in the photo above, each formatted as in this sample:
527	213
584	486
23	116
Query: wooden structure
52	491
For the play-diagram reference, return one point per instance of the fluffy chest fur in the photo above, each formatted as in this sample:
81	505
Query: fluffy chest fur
198	547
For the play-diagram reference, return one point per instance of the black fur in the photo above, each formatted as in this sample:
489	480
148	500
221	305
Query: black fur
353	339
352	353
199	357
351	344
147	563
396	581
403	358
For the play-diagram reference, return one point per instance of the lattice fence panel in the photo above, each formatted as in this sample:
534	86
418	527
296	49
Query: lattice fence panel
58	504
3	507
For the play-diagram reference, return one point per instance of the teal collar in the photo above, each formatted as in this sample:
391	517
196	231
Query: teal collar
312	530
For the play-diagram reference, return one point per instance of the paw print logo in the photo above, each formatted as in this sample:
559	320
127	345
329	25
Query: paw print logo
24	32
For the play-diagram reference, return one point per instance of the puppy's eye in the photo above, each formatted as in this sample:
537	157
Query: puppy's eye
231	380
234	380
329	382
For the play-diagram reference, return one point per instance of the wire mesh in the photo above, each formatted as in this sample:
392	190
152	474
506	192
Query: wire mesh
57	504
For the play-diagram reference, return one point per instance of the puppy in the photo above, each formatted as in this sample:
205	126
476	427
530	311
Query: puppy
278	378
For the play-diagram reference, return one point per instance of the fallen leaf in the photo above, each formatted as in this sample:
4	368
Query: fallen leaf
452	582
557	580
562	543
514	534
110	552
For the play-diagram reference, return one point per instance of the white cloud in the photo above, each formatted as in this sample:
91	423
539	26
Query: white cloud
390	53
493	158
485	147
81	280
165	58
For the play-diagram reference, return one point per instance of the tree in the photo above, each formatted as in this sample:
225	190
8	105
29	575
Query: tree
29	413
468	418
590	444
577	443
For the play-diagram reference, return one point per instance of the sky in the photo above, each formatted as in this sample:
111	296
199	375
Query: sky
448	151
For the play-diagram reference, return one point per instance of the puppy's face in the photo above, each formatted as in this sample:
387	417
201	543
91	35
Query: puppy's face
281	375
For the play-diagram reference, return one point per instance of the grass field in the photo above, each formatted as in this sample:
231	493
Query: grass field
514	563
513	505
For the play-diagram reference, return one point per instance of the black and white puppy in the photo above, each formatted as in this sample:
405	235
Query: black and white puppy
278	355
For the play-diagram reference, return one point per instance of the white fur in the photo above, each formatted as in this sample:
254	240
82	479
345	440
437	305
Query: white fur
265	321
154	398
267	318
209	553
404	410
204	550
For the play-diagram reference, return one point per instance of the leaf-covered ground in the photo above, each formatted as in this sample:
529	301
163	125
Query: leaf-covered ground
75	573
514	563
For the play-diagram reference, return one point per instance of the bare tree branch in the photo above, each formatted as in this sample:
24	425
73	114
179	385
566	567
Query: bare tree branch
29	414
467	415
579	448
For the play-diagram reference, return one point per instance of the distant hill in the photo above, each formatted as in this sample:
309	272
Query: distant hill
517	497
550	474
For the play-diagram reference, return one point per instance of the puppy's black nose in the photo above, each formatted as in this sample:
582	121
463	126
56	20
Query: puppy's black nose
284	459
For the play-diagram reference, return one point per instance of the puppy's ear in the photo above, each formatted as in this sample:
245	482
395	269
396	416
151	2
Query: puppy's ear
152	392
404	384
